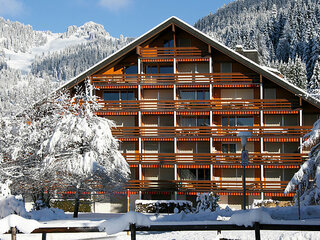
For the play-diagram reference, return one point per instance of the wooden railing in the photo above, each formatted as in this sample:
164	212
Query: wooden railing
172	52
183	78
215	158
211	131
187	105
204	186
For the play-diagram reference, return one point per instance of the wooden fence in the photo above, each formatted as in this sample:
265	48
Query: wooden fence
257	227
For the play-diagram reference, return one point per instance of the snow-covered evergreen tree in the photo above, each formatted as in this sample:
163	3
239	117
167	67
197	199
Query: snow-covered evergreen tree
279	29
81	151
294	72
307	179
314	83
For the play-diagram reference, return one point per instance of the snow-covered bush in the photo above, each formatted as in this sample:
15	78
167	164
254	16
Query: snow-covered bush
13	205
163	206
47	214
268	203
207	202
10	204
307	179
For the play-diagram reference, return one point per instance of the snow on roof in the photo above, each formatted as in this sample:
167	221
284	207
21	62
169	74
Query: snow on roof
274	70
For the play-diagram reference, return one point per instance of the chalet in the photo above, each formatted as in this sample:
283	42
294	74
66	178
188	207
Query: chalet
180	98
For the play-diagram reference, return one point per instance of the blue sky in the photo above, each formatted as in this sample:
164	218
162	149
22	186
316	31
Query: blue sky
128	17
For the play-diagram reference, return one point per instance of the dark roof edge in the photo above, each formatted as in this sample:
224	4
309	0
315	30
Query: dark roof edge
204	37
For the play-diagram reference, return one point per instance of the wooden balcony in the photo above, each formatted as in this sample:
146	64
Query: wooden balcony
189	105
165	52
255	159
180	78
205	186
211	131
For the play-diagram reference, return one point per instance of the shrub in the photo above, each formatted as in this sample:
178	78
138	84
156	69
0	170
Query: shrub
207	202
163	206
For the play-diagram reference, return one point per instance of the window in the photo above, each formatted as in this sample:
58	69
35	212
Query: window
237	121
131	69
194	121
229	148
281	120
111	96
158	68
226	67
195	174
127	147
158	147
201	94
118	95
151	69
166	69
168	43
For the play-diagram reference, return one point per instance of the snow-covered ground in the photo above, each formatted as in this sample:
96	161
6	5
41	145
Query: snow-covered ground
243	218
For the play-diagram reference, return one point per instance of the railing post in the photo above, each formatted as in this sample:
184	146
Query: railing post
133	231
13	233
257	230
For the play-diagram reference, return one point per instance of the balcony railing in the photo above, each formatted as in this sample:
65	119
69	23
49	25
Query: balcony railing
182	78
211	131
204	186
215	158
187	105
172	52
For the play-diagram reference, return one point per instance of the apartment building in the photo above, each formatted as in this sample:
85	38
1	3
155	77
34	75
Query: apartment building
180	98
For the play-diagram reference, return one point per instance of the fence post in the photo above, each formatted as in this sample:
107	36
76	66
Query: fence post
257	230
13	233
44	236
133	231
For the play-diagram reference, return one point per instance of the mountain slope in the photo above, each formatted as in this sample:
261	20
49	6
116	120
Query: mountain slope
33	63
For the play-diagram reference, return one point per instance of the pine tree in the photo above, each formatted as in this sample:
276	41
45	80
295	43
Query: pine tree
314	83
307	179
295	72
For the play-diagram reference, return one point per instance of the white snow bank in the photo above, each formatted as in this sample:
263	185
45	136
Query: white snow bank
248	218
122	223
200	216
22	224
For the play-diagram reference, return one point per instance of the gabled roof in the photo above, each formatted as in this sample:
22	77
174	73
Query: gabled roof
205	38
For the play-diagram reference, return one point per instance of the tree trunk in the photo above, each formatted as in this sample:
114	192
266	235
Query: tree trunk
76	204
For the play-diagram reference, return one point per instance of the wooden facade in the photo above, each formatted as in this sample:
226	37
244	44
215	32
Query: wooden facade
179	100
